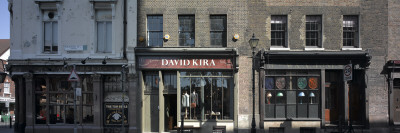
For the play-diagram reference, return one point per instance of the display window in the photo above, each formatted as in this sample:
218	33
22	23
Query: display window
54	101
292	94
206	95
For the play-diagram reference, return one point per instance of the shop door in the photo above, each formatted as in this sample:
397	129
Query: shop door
396	100
170	111
332	91
154	115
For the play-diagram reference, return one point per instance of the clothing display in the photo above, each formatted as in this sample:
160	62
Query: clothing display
194	100
185	100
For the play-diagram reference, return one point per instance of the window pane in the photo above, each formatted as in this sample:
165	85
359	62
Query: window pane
56	114
87	99
313	30
55	34
69	116
101	36
186	31
57	99
48	36
41	111
108	38
170	80
151	80
87	115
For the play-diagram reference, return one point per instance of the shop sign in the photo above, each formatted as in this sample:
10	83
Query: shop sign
114	114
185	63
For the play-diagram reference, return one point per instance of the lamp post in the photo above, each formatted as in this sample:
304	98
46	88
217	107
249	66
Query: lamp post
253	44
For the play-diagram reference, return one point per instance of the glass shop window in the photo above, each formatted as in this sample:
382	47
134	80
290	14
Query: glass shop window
54	100
292	94
151	80
207	95
170	80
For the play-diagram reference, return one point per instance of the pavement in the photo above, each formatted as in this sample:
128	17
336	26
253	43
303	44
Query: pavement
5	128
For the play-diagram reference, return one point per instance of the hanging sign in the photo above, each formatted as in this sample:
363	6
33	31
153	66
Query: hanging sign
7	104
348	72
73	76
158	62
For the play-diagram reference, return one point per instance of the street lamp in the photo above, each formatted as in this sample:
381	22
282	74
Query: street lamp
253	42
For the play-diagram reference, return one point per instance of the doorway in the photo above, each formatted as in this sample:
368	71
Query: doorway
170	112
333	88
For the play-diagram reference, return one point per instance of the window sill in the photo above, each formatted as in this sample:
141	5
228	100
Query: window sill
351	48
314	49
278	48
48	54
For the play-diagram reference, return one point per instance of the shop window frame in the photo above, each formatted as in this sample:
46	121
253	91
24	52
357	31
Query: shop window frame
47	91
202	115
291	77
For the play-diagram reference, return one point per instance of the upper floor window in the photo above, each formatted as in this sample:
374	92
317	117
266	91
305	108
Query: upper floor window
350	30
218	30
6	87
186	31
278	30
50	31
155	31
104	30
314	30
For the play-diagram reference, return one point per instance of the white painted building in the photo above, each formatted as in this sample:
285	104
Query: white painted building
50	38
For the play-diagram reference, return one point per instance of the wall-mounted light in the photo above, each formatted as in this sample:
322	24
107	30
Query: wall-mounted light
166	37
104	61
235	37
141	39
65	61
84	61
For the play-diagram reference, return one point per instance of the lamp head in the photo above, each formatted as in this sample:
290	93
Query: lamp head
253	42
312	94
301	94
280	94
269	95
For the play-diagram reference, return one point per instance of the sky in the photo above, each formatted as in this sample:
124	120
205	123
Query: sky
4	20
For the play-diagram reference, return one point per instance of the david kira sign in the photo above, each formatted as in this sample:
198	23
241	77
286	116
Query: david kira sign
185	63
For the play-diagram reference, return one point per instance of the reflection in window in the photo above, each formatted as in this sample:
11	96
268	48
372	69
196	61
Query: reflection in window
207	95
54	99
151	80
155	31
186	31
169	80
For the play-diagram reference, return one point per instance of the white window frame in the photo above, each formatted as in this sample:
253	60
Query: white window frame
98	5
6	86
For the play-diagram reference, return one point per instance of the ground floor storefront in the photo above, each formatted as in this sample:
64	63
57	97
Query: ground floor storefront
308	91
46	103
192	87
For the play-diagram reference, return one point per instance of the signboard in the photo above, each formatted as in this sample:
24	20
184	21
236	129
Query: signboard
348	72
74	48
113	114
78	91
7	104
73	76
184	63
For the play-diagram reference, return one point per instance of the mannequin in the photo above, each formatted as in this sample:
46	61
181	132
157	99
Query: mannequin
185	102
194	102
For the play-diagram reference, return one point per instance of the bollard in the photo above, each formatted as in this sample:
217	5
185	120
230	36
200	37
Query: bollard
10	121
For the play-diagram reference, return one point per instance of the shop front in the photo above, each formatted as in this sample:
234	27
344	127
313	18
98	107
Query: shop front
46	97
193	86
307	91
